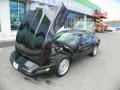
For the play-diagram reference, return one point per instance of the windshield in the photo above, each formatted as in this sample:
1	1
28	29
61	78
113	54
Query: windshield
69	38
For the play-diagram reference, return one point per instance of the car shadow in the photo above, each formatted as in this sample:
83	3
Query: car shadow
48	78
40	78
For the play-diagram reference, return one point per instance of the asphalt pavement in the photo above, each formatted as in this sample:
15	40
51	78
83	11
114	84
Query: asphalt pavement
101	72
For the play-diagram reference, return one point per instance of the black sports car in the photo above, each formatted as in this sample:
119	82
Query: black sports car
39	49
56	55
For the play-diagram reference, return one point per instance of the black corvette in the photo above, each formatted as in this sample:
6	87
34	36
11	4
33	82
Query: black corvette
38	50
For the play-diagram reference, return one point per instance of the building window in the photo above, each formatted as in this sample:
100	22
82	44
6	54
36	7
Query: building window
79	21
72	19
17	12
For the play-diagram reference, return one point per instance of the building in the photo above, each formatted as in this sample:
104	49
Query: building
13	11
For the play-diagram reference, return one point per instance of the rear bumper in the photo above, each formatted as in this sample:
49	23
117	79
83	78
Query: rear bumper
27	67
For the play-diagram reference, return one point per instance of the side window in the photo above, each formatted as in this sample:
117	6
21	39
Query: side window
86	39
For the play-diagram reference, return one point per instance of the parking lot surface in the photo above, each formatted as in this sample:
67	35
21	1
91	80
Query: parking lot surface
101	72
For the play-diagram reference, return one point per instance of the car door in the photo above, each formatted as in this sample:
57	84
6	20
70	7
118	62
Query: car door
86	44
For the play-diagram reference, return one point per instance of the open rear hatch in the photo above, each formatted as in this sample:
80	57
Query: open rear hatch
37	29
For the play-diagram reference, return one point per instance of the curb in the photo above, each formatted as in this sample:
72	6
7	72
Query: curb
6	43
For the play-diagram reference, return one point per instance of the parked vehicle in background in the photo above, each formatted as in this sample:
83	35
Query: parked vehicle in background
101	27
113	28
98	17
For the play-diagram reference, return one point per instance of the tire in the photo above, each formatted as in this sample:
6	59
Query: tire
62	65
94	52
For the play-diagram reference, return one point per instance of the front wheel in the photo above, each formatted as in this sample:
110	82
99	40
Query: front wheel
62	65
94	52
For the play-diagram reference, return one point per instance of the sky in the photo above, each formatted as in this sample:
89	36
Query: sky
111	6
